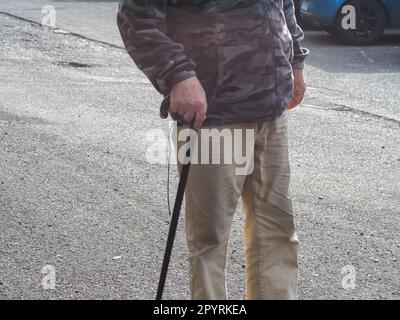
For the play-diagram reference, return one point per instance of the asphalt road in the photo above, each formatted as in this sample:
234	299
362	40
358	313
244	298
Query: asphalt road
95	19
77	193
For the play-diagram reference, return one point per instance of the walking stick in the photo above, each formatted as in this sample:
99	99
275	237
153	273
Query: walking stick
175	213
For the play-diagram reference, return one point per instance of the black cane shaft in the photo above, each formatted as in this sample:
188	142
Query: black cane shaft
172	228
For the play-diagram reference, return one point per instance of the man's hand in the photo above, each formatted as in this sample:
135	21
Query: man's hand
298	90
189	100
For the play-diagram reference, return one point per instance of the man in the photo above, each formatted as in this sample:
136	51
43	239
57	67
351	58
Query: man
233	65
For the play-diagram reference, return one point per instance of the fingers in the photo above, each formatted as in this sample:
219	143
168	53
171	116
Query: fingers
191	111
200	118
298	97
195	113
299	89
189	100
293	103
189	115
173	107
197	117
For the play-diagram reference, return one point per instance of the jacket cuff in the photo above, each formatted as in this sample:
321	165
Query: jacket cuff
178	74
299	58
179	77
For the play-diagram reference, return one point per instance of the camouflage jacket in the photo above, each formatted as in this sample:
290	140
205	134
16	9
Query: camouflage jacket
242	51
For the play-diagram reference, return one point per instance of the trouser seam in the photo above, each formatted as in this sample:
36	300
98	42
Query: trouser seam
259	275
193	226
257	235
224	278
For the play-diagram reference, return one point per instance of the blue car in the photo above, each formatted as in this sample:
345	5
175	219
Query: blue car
371	18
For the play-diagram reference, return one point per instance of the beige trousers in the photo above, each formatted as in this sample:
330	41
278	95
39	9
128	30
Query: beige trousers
212	194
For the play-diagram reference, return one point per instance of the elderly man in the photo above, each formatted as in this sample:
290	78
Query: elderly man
229	65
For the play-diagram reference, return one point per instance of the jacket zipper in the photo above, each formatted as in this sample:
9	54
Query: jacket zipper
267	18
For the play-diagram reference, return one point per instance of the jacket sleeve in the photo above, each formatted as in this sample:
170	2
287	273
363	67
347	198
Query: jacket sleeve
300	53
142	24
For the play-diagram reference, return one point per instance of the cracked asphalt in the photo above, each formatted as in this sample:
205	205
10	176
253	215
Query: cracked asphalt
77	193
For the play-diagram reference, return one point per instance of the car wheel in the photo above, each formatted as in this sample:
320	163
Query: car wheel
370	23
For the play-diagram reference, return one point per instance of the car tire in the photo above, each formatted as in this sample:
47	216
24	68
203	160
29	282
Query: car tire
370	23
